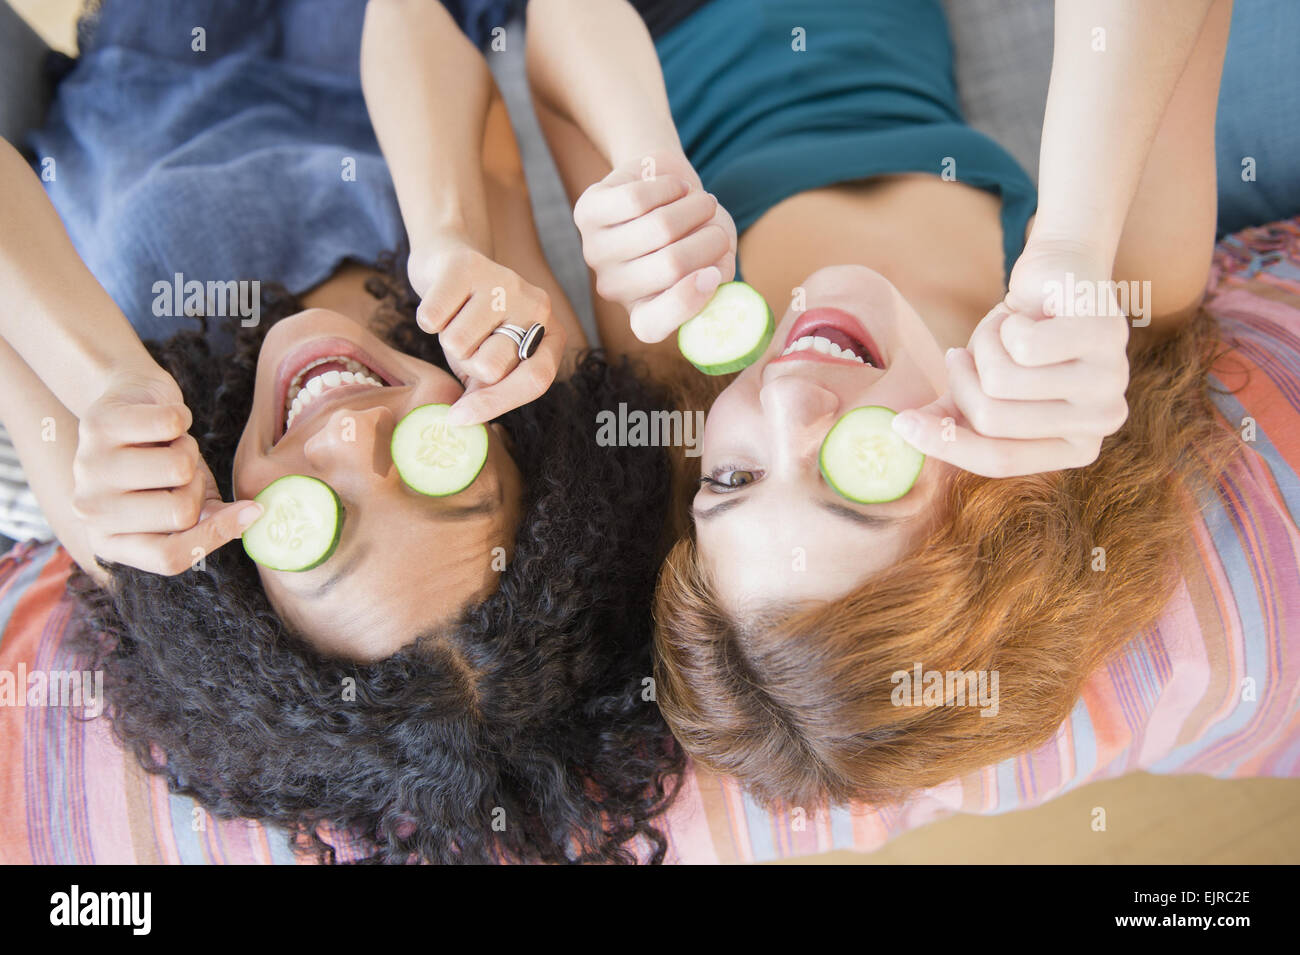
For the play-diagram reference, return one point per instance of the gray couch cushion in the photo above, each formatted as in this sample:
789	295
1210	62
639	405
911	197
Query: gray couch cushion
1003	61
24	93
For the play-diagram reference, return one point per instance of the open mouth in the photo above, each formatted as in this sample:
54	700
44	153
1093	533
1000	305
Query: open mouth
828	334
319	371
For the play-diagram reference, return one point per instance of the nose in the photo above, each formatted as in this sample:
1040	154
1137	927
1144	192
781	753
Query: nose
798	413
352	449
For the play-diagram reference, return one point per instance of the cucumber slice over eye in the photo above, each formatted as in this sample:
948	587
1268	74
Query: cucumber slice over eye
437	458
864	461
731	332
299	528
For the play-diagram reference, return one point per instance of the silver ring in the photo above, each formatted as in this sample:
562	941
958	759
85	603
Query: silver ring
526	341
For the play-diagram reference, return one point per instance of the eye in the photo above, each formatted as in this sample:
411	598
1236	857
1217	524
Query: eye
723	480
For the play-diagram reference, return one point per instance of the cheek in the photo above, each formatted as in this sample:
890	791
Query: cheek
731	413
252	471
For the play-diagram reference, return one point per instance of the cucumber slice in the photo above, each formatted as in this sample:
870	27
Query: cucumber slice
436	458
731	331
300	524
864	461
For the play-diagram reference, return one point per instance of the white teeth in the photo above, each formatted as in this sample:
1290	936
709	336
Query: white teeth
300	395
824	346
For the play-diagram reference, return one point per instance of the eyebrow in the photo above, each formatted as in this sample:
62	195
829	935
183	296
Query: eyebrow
839	510
485	505
868	520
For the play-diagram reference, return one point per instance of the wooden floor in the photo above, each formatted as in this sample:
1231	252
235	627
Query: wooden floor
1149	819
1159	820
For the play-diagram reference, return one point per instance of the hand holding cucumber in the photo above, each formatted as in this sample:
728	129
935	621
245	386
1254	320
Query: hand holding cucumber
465	296
146	496
1041	382
659	244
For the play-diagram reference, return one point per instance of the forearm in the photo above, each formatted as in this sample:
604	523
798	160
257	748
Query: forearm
427	90
44	433
1115	64
54	314
593	62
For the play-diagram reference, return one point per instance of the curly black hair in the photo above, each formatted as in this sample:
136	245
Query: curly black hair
522	732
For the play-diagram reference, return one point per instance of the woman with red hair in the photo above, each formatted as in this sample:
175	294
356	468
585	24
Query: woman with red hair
1066	431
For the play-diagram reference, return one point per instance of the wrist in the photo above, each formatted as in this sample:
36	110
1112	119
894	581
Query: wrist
83	366
137	375
1079	243
664	146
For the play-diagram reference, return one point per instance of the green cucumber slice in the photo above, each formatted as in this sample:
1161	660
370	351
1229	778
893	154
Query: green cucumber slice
865	461
300	524
730	332
437	458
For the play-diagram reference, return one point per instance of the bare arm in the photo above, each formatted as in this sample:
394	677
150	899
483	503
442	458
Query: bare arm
427	90
593	62
44	434
101	429
1126	192
54	314
657	243
1115	66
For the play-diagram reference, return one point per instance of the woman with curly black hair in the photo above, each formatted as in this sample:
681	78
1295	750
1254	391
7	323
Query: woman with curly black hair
462	679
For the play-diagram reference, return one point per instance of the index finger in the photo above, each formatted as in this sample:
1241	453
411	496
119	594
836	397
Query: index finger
527	382
175	553
942	432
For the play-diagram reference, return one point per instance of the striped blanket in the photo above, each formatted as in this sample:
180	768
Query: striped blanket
1213	687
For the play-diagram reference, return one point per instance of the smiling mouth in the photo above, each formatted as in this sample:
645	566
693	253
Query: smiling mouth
320	378
830	335
832	342
324	370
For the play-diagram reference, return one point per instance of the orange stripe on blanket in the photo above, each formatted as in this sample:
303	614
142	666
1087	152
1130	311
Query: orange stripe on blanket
21	644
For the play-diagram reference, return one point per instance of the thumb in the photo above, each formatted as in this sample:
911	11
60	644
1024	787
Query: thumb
220	522
656	319
931	426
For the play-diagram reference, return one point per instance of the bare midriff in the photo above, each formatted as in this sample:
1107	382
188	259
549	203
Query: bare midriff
938	242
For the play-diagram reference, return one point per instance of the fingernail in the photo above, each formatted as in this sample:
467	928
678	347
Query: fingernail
906	424
708	280
457	416
248	515
947	356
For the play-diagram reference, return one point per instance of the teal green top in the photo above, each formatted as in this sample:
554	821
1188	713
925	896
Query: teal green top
871	92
